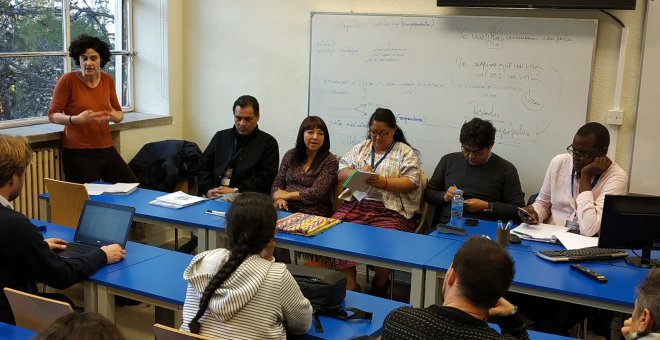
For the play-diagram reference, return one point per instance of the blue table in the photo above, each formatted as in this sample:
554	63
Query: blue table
159	281
339	329
387	248
135	253
192	217
11	332
538	277
376	246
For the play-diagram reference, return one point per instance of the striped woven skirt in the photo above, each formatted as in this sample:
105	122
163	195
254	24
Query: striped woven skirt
368	212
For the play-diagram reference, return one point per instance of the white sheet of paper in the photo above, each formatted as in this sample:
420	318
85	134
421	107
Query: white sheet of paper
540	231
97	187
359	195
575	241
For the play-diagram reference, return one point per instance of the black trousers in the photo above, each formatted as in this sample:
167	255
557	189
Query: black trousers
91	165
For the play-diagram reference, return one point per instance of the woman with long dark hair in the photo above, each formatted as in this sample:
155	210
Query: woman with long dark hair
394	194
308	172
241	292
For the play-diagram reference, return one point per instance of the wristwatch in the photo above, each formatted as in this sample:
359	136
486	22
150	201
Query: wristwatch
515	310
490	207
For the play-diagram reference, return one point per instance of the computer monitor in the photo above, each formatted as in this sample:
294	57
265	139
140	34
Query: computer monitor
631	222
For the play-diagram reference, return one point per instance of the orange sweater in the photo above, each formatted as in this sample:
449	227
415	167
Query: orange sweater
71	96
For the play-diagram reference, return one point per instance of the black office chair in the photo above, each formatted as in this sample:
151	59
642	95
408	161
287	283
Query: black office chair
532	198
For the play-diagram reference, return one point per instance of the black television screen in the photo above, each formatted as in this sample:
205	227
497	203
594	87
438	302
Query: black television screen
631	222
565	4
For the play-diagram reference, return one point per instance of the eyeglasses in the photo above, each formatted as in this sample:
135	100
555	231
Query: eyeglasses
247	119
381	134
466	150
580	154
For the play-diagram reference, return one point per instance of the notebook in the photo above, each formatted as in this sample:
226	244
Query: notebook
100	224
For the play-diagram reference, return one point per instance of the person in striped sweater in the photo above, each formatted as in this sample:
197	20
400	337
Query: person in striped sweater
241	292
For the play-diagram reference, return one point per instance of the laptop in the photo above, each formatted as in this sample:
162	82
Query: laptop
100	224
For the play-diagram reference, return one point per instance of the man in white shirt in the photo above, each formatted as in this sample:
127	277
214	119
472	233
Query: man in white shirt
576	183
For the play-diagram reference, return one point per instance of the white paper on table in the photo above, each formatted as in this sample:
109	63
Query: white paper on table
576	241
96	188
538	232
122	188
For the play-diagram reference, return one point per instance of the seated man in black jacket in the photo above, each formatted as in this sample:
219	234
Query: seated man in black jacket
239	159
25	257
472	292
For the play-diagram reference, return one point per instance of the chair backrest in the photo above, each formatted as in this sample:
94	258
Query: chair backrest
35	312
168	333
427	210
66	201
532	198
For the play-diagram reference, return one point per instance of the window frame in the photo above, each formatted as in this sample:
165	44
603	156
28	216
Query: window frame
123	7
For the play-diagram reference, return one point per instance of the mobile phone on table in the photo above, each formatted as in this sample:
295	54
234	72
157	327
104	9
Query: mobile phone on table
526	213
471	222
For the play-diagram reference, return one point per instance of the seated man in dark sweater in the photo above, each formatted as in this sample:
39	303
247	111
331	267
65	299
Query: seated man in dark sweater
239	159
472	292
490	184
25	257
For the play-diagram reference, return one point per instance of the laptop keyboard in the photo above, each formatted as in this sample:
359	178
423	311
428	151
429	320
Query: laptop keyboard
583	254
73	249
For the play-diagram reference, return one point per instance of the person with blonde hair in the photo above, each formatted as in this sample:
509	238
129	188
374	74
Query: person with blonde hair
26	258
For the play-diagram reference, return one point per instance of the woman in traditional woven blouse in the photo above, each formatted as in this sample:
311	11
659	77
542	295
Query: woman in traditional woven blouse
394	194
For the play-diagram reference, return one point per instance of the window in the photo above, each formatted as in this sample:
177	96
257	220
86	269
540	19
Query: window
34	38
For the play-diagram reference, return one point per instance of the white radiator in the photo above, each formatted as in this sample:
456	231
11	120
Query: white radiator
46	163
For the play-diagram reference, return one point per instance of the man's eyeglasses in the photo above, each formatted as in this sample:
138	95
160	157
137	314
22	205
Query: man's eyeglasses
381	134
247	119
475	151
581	154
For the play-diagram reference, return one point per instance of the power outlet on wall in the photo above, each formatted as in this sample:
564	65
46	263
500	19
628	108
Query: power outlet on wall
615	117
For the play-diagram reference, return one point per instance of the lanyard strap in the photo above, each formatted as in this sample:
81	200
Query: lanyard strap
573	174
373	155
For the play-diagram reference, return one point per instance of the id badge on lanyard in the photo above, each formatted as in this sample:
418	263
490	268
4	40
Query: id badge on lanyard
572	223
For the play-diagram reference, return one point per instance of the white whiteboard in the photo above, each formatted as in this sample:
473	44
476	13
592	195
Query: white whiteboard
644	177
529	76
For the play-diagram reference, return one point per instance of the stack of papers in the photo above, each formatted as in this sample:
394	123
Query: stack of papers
358	180
176	200
553	233
538	232
304	224
117	188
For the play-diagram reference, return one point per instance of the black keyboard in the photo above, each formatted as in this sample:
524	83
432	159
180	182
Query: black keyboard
584	254
77	249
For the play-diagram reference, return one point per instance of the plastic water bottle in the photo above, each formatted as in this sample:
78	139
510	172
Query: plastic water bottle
457	209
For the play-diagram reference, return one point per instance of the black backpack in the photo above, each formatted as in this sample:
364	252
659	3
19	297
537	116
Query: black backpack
325	289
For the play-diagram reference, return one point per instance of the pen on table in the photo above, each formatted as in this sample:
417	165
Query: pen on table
216	213
521	233
508	225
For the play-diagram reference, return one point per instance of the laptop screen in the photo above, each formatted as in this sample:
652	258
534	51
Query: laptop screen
104	223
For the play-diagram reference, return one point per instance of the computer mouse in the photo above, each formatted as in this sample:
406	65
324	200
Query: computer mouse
513	238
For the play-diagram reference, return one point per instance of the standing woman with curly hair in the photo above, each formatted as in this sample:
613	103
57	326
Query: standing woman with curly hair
85	101
241	292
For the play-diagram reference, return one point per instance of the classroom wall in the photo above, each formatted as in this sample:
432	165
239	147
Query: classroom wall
158	34
219	50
